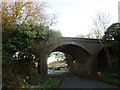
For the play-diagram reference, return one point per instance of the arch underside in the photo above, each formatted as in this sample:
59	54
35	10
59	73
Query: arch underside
104	62
79	55
73	50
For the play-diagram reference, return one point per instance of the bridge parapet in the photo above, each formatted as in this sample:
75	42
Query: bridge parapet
87	40
90	45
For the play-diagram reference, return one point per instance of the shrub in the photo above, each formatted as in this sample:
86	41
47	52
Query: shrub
12	81
34	80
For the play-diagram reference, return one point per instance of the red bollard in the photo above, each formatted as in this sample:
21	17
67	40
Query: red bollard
99	74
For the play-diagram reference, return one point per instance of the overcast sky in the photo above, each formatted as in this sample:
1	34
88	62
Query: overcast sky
75	16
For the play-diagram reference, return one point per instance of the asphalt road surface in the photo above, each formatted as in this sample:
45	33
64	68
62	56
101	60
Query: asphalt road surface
70	81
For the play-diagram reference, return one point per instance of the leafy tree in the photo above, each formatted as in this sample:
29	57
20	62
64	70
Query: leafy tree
58	55
113	32
25	12
25	38
22	36
19	40
20	13
42	48
69	60
112	38
26	45
17	13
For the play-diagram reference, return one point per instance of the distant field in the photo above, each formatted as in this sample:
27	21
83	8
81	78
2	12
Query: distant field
57	71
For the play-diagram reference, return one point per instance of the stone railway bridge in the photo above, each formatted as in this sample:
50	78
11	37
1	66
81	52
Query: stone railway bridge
85	52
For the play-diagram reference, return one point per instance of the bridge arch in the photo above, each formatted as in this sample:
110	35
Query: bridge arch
65	46
79	55
71	49
84	50
102	59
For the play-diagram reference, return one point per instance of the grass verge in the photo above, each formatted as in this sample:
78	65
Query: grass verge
58	71
50	83
111	78
106	77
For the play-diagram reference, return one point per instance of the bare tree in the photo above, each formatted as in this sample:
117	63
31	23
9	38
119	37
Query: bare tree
100	24
89	35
